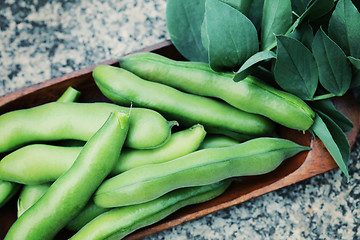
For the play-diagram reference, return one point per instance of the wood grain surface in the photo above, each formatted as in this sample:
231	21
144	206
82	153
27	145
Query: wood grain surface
300	167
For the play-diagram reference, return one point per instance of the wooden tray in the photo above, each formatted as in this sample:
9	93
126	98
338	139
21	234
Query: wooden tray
302	166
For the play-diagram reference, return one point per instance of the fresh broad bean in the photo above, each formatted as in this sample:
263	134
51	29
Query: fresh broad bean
87	214
142	184
70	193
70	95
234	135
79	121
215	141
7	191
179	144
29	195
250	94
188	109
37	163
119	222
40	163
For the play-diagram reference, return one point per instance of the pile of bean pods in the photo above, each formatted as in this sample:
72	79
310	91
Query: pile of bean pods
104	170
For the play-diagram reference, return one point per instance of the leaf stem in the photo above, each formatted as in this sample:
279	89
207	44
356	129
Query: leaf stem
322	97
274	44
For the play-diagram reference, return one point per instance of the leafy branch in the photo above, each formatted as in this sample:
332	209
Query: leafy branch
310	47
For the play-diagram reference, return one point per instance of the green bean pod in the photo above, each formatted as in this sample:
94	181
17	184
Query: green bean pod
29	195
216	141
7	191
188	109
250	94
179	144
142	184
37	163
79	121
119	222
70	193
40	163
87	214
70	95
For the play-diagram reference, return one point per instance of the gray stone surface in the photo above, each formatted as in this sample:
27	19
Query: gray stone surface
42	39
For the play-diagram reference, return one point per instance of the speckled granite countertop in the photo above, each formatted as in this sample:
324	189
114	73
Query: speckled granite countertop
42	39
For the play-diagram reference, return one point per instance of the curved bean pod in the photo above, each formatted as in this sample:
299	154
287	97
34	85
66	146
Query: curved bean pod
7	191
29	195
179	144
87	214
37	163
70	193
119	222
215	141
250	94
70	95
188	109
79	121
40	163
142	184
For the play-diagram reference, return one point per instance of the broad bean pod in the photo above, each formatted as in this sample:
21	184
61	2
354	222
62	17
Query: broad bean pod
79	121
87	214
215	141
70	95
7	191
70	193
142	184
119	222
41	163
250	94
37	163
188	109
29	195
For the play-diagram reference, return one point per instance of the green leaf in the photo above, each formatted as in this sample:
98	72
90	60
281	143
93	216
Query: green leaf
334	68
344	27
250	65
233	3
338	136
276	20
245	6
241	5
255	13
355	62
327	107
304	34
183	21
232	40
316	9
299	6
333	141
204	37
295	68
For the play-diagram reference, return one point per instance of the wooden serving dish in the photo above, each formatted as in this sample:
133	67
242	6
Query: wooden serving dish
304	165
